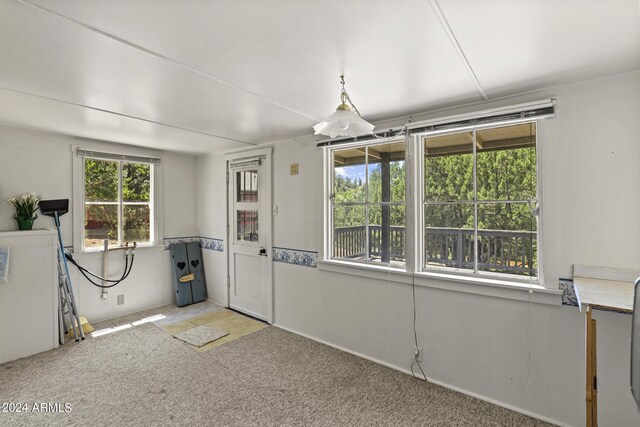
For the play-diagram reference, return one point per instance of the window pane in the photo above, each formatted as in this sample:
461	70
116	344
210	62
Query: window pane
448	167
247	186
136	182
449	236
349	175
507	238
101	222
100	180
137	223
247	226
387	234
397	237
506	163
386	172
349	232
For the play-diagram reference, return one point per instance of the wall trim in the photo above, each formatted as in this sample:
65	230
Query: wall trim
440	383
168	241
212	244
205	242
285	255
295	257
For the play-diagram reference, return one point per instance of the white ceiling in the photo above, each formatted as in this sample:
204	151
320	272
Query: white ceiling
201	76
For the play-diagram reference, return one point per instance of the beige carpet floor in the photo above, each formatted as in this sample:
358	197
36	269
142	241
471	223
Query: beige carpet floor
142	376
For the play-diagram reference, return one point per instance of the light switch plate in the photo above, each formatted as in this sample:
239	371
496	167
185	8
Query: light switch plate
294	168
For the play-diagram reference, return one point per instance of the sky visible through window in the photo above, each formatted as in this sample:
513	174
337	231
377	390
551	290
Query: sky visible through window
351	172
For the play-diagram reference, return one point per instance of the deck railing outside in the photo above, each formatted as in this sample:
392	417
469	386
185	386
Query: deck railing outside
498	250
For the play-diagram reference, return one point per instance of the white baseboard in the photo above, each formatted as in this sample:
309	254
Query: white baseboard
440	383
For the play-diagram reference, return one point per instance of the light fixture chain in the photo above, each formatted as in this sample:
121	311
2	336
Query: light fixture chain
344	97
351	103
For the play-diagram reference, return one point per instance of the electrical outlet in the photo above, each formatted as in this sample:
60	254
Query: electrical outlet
120	299
418	354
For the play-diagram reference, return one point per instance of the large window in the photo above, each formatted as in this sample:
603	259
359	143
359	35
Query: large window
118	202
480	200
368	203
472	194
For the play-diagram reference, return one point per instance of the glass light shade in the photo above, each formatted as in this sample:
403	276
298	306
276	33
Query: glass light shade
343	123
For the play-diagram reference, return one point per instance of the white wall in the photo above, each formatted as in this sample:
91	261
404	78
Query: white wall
527	356
39	162
212	220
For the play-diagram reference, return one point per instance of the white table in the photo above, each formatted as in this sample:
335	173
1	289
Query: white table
600	287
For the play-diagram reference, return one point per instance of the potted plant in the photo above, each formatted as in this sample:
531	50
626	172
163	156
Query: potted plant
26	208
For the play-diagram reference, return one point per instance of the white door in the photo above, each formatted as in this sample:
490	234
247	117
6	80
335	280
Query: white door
249	201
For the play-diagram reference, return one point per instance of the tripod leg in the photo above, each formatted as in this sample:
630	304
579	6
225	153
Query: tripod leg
62	323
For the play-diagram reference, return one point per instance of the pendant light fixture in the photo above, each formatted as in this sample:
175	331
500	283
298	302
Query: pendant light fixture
345	121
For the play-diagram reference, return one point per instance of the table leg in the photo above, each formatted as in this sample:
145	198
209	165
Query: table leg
591	380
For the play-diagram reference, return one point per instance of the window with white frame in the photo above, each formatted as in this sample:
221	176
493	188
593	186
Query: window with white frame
117	201
471	188
479	200
368	203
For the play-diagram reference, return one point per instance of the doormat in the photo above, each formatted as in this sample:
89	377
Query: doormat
200	335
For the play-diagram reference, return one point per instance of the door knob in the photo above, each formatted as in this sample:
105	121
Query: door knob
263	252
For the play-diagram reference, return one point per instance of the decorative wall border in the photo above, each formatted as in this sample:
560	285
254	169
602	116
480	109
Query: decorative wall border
295	257
284	255
212	244
168	241
205	242
569	297
568	293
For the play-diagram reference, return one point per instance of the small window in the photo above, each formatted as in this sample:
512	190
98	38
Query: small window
118	202
480	200
368	204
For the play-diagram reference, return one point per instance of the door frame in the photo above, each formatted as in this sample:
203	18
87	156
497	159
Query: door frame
268	224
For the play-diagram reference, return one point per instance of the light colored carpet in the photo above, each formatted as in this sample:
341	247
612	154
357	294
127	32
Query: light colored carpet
143	376
200	335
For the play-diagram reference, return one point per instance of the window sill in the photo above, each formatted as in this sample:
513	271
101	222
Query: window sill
144	247
451	282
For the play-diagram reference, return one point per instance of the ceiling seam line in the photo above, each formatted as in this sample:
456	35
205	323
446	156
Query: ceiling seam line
88	138
102	110
166	58
456	45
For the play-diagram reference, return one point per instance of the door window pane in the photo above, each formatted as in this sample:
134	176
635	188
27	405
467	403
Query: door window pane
247	226
247	186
